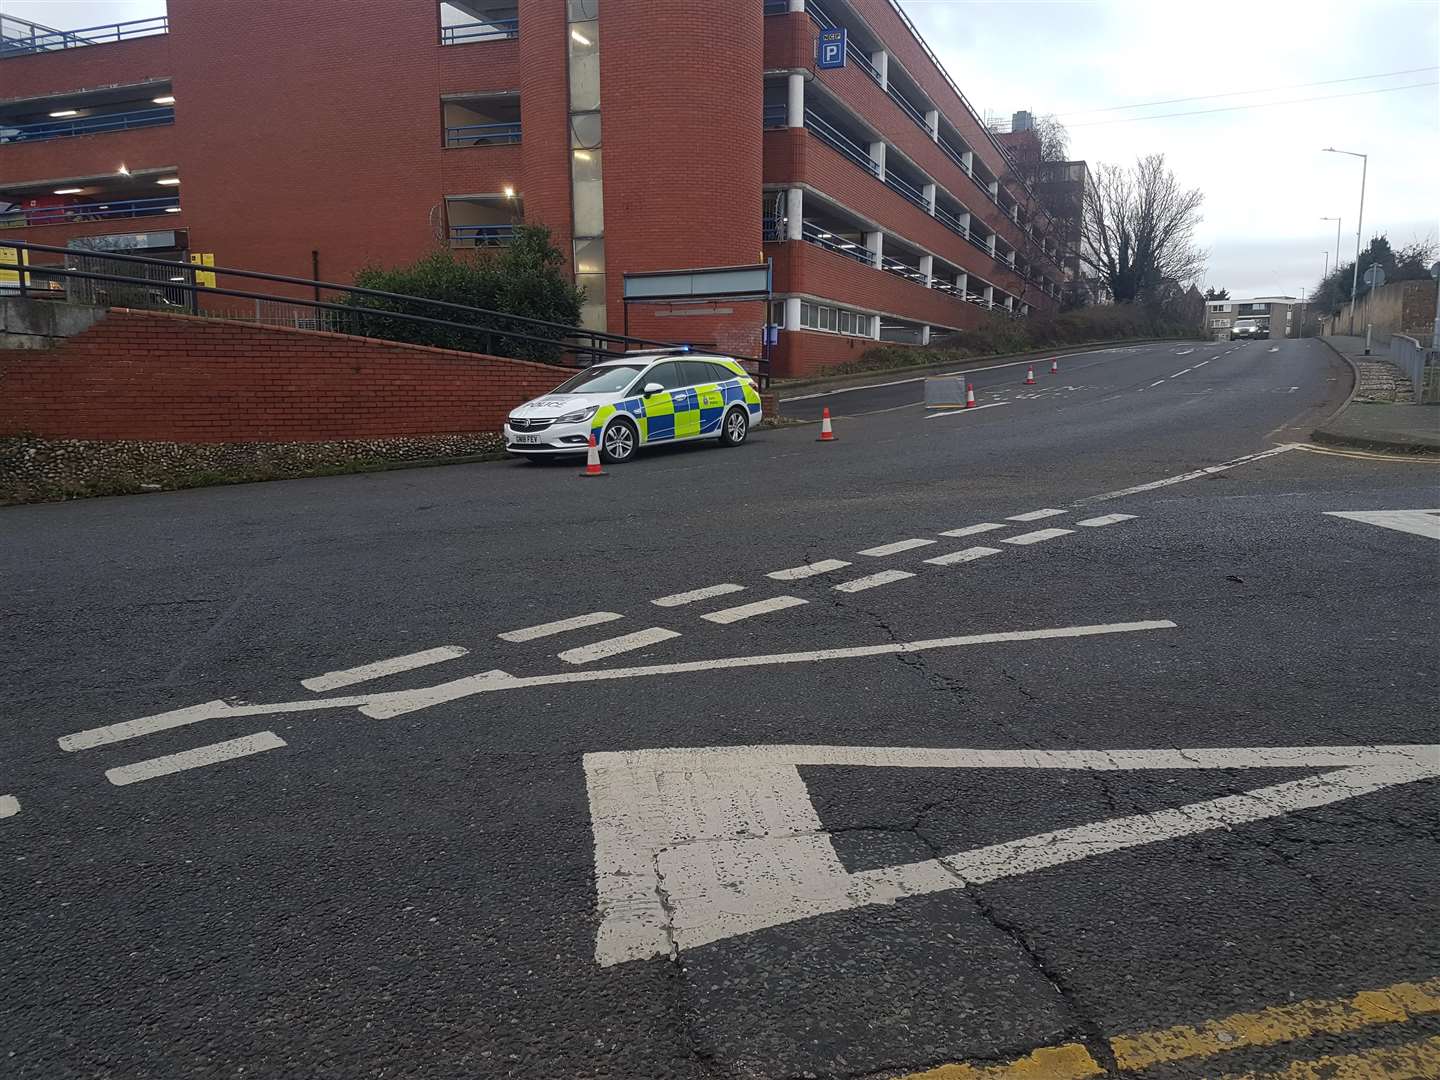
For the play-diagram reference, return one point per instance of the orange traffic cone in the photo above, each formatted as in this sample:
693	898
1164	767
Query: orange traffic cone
969	396
826	434
1055	366
1030	376
592	460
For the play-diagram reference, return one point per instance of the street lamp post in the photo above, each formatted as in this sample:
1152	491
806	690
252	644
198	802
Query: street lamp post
1337	240
1359	224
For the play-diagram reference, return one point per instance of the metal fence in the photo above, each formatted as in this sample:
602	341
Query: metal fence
20	37
115	279
1421	366
86	125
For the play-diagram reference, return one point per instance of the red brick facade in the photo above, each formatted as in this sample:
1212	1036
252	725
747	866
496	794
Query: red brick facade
302	127
173	378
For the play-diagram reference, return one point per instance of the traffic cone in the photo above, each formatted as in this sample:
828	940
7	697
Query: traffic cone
826	434
592	460
1030	376
1055	366
969	396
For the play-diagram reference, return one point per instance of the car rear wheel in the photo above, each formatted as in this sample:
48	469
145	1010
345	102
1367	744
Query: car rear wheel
618	442
734	428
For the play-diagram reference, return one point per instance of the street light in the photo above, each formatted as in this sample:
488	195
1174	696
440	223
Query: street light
1359	223
1337	240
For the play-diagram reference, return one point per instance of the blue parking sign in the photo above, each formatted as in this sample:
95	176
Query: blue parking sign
830	49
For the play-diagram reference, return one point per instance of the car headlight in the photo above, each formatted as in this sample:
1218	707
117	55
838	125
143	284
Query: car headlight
578	415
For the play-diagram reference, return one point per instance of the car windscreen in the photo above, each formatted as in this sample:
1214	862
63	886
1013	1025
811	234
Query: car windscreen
611	379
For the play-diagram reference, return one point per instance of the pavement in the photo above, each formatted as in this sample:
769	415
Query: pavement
1380	415
1087	733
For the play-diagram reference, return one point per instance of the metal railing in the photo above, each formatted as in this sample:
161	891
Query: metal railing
908	109
838	140
483	134
481	235
981	244
358	311
486	30
820	237
776	116
862	61
86	125
901	269
772	229
954	155
96	211
1414	359
819	16
951	222
906	190
28	38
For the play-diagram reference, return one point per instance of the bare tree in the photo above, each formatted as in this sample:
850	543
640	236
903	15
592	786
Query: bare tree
1139	229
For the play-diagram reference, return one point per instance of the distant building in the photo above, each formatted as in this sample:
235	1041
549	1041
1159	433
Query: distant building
1060	188
1277	314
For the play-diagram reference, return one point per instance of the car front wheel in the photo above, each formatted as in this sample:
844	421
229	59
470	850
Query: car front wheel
735	428
618	442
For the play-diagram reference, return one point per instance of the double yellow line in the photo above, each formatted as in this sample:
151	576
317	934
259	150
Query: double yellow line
1271	1026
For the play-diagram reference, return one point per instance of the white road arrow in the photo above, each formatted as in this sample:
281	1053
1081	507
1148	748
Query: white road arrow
696	845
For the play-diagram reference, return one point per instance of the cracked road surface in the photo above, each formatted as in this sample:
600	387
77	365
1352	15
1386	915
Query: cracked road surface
335	777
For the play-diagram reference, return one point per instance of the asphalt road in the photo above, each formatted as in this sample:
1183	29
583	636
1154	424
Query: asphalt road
1152	770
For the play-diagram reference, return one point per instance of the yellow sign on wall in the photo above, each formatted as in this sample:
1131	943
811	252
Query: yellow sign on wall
204	278
10	256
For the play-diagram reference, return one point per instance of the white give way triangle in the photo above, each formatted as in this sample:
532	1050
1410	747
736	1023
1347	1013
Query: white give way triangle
696	845
1419	522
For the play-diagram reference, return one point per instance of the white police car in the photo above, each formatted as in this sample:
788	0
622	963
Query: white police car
638	400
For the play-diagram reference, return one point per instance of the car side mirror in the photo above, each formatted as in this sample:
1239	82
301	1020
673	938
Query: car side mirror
653	388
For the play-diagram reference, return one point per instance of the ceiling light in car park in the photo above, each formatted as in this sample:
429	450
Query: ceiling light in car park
164	99
172	209
70	191
168	181
509	192
65	112
123	171
579	37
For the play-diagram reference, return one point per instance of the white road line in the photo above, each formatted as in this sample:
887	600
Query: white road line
849	389
612	646
1107	519
895	548
385	704
725	616
969	554
1036	515
194	759
1036	536
693	595
1154	384
1184	352
795	573
1194	475
954	411
1274	348
1182	371
1201	364
333	680
971	530
9	806
873	581
579	622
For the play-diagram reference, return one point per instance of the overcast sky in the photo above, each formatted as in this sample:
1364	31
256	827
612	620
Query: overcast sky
1265	179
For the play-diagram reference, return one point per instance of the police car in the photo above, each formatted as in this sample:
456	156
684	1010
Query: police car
638	400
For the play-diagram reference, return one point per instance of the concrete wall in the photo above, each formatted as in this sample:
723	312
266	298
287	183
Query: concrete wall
139	375
1402	307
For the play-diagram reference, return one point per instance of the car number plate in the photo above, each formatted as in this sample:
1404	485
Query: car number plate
524	439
